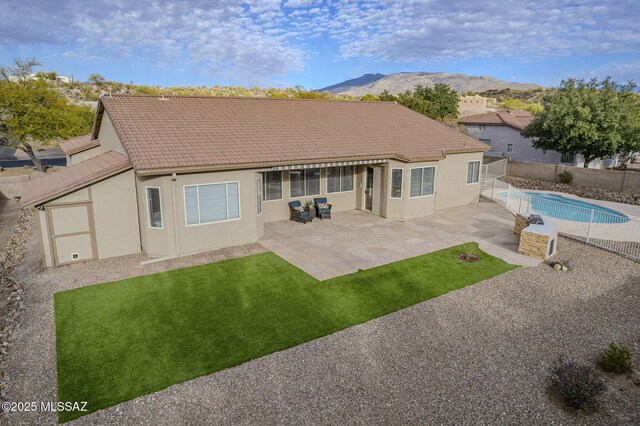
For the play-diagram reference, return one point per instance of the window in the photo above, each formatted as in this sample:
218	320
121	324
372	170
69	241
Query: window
272	186
422	181
154	207
214	202
567	158
396	183
340	179
509	147
485	141
482	127
304	182
259	195
473	171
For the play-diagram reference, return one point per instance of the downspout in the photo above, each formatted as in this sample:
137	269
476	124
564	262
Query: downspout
176	234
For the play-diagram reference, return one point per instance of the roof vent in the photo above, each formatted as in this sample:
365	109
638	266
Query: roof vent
162	98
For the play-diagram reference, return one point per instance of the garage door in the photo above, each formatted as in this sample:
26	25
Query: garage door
71	233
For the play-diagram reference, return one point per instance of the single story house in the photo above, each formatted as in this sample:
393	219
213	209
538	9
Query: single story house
502	131
173	176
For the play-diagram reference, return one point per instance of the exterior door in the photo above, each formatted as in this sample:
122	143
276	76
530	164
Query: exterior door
71	233
368	191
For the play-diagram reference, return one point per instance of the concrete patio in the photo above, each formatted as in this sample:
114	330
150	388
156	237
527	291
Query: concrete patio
355	240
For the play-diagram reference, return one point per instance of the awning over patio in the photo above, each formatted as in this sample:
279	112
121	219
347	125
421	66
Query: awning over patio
323	165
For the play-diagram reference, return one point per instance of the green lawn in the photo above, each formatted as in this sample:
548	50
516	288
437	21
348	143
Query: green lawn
120	340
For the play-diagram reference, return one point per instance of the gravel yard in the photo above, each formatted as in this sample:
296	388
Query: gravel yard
476	355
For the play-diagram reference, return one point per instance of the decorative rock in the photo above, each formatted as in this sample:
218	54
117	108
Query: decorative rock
564	268
557	266
568	264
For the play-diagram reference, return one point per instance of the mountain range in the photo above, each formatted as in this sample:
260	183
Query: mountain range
400	82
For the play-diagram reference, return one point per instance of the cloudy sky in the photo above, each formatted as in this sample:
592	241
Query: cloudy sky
315	43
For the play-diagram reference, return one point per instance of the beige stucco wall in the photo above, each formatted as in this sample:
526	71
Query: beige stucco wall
340	201
176	238
451	181
109	140
83	155
116	216
450	190
157	242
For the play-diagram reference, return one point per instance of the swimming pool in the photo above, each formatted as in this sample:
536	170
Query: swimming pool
560	207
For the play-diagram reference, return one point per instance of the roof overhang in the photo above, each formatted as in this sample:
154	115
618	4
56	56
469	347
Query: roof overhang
92	144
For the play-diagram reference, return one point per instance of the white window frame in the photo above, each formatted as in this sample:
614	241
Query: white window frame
484	141
264	183
305	185
184	200
482	127
146	192
434	182
259	195
479	170
353	179
401	183
509	148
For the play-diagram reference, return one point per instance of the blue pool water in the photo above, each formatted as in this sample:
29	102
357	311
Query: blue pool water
560	207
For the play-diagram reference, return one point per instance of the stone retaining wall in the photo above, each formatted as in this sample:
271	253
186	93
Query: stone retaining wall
611	180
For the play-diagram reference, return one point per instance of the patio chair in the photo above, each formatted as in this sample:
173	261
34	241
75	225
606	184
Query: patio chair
323	208
298	213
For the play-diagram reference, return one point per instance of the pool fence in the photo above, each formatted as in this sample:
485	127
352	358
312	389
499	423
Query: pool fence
613	232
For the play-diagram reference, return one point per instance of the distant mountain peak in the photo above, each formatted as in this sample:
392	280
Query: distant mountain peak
402	81
354	82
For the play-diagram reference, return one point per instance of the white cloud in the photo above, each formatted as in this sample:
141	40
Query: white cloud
256	40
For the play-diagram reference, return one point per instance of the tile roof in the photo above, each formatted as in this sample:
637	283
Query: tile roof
512	118
216	132
74	177
79	144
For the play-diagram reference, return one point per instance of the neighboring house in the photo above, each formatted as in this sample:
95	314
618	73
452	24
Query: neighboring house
502	131
471	105
172	176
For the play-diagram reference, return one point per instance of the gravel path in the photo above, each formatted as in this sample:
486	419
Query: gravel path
477	355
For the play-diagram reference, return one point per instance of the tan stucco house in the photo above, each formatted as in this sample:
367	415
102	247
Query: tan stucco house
173	176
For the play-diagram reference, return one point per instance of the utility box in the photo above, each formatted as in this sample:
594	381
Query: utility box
539	241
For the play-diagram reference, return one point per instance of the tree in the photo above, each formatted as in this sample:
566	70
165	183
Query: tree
369	97
439	102
590	118
96	79
20	71
630	144
387	97
32	112
443	100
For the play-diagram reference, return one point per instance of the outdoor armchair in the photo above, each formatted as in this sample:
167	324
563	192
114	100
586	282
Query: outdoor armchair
298	213
323	208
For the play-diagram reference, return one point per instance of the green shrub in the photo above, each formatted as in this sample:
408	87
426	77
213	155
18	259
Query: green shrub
578	385
566	177
616	359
